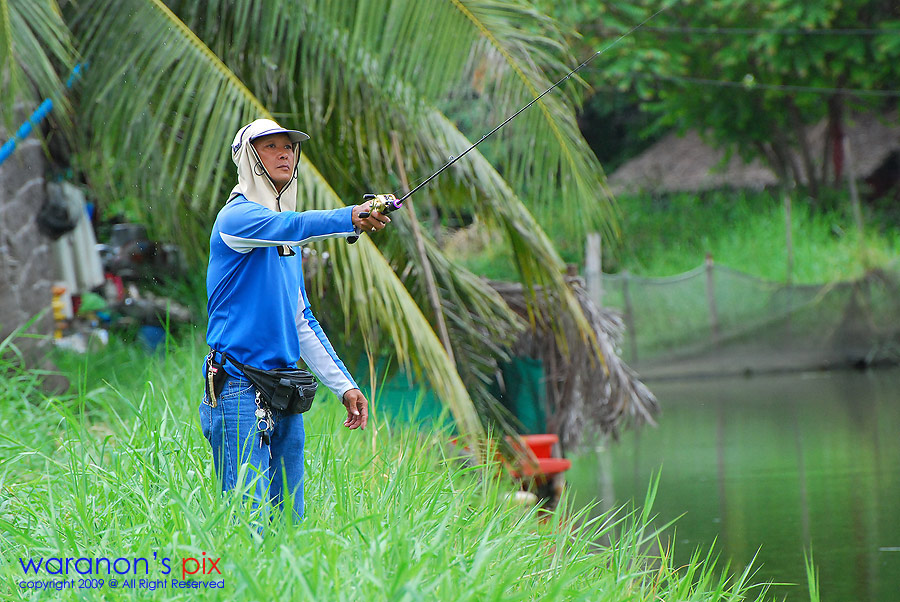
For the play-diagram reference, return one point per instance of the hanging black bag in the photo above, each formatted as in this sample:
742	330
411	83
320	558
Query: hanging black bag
288	390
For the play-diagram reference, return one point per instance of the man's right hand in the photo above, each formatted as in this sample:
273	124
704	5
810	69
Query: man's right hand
374	222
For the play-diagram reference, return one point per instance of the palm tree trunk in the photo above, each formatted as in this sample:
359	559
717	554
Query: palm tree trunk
433	295
803	144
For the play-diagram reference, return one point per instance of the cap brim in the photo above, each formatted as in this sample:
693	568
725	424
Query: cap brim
295	135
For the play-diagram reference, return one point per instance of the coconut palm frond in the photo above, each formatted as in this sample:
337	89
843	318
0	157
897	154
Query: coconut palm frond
167	118
481	325
257	40
537	259
583	396
158	125
539	263
541	153
367	69
34	49
135	117
354	60
508	54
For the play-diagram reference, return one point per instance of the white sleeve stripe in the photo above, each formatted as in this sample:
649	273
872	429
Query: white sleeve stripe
317	358
245	245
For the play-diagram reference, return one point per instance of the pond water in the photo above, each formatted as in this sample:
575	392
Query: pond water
770	466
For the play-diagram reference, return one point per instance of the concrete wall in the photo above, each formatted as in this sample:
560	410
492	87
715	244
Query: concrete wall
26	263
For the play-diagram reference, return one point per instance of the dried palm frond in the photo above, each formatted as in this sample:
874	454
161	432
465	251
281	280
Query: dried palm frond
586	392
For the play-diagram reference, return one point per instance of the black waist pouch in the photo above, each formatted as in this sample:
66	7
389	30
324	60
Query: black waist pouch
288	390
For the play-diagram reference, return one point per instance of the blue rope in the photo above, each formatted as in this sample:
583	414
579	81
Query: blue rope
39	114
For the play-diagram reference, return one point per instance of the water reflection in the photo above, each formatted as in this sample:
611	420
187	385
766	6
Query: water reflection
773	465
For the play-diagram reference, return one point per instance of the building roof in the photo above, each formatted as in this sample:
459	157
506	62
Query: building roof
687	163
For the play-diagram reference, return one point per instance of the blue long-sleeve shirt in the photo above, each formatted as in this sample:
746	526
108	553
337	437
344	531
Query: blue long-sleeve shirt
258	309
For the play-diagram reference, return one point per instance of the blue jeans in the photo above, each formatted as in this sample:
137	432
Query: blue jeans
275	468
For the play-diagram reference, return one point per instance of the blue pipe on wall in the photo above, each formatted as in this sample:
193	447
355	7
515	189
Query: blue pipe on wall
39	114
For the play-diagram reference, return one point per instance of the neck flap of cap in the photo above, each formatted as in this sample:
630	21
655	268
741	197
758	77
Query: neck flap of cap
256	185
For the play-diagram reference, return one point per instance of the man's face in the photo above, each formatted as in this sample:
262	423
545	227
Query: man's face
277	155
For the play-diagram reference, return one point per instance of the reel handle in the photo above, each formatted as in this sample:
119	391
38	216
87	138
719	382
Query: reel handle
382	203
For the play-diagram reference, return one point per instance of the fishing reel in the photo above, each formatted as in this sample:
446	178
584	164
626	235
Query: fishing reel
382	203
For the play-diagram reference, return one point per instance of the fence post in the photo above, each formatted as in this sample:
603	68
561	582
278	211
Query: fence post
711	299
789	243
593	268
789	238
851	183
629	316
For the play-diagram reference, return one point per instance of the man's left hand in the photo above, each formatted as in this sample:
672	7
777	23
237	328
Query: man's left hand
357	409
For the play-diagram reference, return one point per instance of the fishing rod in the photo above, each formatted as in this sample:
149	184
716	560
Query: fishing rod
386	203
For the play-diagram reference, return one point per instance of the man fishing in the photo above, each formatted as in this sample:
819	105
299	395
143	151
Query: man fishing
260	322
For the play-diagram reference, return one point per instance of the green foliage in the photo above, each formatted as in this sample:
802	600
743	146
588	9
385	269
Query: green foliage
812	576
33	43
615	127
119	468
749	75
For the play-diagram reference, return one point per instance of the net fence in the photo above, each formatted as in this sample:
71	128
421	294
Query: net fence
717	319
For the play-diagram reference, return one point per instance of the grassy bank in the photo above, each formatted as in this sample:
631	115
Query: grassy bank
119	469
665	236
747	231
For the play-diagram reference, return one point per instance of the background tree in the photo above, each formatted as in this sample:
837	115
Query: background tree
751	76
168	84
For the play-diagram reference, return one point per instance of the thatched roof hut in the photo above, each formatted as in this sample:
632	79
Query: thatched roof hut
585	393
687	163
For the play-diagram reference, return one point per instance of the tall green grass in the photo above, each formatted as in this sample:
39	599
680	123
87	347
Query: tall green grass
744	230
747	231
119	469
